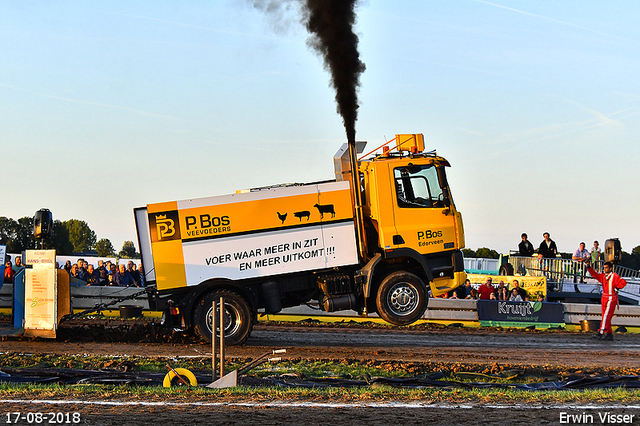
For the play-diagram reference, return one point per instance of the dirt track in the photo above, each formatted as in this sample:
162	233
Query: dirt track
459	349
182	414
457	345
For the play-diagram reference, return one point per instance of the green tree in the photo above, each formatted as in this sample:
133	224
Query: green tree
129	251
487	253
60	239
81	236
8	228
24	234
631	260
105	248
468	253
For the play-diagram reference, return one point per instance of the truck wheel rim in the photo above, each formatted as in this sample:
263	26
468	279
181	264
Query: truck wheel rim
403	299
232	320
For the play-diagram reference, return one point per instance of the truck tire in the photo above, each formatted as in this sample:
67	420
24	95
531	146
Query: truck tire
402	298
237	317
506	269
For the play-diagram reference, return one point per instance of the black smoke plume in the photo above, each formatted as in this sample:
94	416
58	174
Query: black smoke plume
330	22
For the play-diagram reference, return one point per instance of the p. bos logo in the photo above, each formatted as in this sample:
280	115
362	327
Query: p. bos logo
164	226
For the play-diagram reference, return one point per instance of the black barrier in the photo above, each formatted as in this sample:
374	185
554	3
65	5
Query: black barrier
576	382
435	380
495	313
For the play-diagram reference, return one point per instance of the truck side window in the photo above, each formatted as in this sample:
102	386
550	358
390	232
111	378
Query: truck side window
418	187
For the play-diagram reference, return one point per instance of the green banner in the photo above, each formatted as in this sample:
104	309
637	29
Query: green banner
496	313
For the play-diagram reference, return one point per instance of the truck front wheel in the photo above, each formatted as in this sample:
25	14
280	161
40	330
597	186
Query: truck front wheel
402	298
237	317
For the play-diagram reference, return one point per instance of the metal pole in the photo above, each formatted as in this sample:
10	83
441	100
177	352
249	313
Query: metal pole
221	322
214	318
357	198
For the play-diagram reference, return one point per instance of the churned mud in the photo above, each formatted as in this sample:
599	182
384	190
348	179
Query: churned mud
417	350
458	347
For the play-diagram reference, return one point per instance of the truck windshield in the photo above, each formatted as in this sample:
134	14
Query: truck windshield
418	187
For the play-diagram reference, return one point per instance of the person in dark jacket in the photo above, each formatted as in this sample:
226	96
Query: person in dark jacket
123	278
103	274
525	247
74	271
515	285
82	271
547	250
67	267
91	277
131	268
547	247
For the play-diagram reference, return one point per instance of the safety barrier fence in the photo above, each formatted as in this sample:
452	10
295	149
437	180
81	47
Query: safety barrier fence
89	296
439	309
467	310
574	313
626	315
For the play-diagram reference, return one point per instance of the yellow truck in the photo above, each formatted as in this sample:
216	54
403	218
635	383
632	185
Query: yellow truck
383	249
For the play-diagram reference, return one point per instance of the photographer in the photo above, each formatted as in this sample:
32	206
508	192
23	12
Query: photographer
611	283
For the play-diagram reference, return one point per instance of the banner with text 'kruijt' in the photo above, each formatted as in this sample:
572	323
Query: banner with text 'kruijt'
496	313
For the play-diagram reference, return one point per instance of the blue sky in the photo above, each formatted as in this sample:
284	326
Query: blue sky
107	106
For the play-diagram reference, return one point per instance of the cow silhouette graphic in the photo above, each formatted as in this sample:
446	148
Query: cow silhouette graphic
282	217
325	208
304	213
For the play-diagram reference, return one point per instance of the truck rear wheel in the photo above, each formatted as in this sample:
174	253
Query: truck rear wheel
237	317
402	298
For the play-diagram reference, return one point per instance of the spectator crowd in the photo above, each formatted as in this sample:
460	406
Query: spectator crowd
487	291
549	250
105	274
513	291
10	270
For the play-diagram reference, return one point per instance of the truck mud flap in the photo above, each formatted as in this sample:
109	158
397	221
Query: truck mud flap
363	276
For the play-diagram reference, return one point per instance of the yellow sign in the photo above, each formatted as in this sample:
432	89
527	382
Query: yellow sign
249	212
40	300
534	286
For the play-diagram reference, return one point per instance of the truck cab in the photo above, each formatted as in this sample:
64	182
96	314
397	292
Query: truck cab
410	214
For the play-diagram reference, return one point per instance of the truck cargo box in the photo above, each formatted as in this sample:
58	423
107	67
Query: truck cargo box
252	234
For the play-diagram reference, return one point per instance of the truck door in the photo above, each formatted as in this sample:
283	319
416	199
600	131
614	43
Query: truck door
423	212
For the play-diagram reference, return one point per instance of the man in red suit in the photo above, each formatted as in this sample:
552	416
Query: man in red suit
611	283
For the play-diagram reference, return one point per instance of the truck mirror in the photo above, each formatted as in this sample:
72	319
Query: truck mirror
442	177
413	169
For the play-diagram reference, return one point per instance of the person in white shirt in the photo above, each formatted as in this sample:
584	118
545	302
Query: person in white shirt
579	257
515	296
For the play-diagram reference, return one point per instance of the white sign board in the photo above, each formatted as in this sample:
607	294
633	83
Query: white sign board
271	253
40	257
3	253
